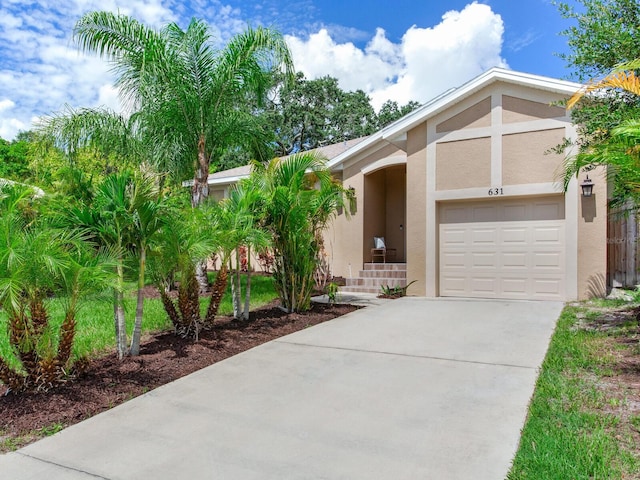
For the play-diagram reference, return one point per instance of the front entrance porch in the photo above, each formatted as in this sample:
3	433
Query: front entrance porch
375	275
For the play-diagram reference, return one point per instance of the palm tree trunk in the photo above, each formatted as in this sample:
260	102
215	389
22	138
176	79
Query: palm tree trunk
236	288
217	292
120	324
199	194
247	290
134	350
200	189
67	335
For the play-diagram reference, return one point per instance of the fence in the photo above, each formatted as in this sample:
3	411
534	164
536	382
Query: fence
623	252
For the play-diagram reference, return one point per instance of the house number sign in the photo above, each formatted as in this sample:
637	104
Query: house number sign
496	191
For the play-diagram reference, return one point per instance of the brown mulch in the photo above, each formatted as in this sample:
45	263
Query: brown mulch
106	382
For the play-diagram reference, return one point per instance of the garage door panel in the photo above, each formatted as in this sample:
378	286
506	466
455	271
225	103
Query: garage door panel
483	236
513	235
484	260
493	252
514	260
512	287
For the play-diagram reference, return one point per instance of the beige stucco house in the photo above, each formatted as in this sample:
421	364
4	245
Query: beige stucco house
469	195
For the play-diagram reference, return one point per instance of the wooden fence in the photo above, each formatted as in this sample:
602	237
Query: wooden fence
623	252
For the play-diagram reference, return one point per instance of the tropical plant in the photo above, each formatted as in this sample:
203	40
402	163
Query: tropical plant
395	291
239	217
602	34
301	197
617	149
125	215
37	262
192	98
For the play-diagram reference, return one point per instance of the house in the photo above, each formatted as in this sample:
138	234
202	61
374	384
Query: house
468	192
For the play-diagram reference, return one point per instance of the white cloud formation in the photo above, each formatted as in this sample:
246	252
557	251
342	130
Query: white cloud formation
41	69
425	63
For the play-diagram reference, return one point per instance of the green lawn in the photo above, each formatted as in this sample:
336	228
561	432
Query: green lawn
577	427
96	331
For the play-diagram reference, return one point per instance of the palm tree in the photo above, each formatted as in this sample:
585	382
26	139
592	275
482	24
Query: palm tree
125	215
619	149
238	217
36	261
301	199
182	242
193	98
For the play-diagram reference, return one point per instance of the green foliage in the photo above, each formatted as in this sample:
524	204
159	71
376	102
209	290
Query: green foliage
397	291
192	100
603	34
301	198
38	260
307	114
14	160
391	111
332	292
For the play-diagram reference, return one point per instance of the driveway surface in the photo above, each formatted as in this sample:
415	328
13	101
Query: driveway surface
412	389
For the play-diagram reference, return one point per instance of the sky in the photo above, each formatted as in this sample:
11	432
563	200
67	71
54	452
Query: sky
398	50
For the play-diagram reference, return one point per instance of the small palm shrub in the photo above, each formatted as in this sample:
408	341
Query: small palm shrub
37	262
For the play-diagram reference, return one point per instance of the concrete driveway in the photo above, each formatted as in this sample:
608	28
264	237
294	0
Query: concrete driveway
412	389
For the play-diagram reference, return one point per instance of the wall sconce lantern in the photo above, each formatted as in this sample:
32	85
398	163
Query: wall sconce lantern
587	187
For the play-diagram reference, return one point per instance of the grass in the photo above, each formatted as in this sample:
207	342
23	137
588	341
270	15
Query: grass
95	329
573	430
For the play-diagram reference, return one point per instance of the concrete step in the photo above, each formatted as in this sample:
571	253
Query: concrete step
386	266
375	282
382	274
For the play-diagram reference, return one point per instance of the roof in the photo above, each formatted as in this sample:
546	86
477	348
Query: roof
37	191
395	131
233	175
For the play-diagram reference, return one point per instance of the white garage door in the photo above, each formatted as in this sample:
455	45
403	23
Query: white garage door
511	249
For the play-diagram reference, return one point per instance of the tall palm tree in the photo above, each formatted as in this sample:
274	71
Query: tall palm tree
192	96
301	199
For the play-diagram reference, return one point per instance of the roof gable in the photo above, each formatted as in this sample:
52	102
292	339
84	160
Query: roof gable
395	132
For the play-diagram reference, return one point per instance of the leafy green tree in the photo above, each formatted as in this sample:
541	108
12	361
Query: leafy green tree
191	96
310	113
301	197
38	260
391	111
603	34
14	160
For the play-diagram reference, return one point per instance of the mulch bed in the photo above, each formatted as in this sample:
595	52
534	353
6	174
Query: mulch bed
105	382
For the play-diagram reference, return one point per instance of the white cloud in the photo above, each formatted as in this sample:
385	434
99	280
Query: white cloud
41	69
425	63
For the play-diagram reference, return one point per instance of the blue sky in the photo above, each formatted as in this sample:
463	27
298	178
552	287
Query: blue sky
401	50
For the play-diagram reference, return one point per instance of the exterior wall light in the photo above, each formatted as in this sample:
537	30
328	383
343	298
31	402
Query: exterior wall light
587	187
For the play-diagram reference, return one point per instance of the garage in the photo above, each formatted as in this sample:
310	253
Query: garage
511	249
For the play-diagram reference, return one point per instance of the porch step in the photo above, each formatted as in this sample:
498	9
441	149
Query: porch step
375	275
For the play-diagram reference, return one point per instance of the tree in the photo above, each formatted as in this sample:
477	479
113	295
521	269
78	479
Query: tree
301	197
14	160
391	111
310	113
619	149
37	261
239	218
604	34
193	98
